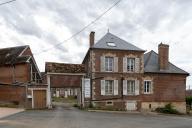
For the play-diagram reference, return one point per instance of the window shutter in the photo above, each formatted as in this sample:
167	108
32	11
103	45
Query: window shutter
151	91
137	87
137	65
102	63
115	64
124	87
115	87
124	64
102	87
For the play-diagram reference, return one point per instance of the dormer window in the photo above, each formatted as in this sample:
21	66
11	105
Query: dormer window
111	44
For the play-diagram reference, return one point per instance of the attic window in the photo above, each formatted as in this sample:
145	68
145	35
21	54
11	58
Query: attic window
111	44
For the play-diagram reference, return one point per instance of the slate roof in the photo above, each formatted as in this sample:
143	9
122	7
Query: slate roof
64	68
11	55
151	65
120	43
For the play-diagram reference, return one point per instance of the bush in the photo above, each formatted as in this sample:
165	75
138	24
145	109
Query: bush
75	105
189	101
169	109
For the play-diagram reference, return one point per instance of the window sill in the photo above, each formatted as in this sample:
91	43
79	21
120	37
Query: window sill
147	93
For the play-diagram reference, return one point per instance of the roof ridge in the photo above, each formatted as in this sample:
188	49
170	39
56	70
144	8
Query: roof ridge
14	47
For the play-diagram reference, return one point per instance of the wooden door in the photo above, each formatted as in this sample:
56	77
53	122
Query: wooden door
39	99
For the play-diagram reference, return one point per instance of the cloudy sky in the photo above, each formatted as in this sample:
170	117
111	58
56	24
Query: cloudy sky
144	23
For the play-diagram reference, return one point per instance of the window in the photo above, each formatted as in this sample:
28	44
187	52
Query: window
109	63
130	87
109	103
147	87
111	44
109	87
130	64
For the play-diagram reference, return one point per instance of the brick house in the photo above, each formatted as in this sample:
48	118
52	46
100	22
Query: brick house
20	79
124	77
64	79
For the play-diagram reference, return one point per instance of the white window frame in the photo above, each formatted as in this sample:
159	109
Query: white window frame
130	87
130	64
109	66
149	87
109	91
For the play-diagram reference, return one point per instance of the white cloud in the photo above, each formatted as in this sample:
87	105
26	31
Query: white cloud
44	23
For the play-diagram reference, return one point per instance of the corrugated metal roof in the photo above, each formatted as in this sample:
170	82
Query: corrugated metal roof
151	65
110	41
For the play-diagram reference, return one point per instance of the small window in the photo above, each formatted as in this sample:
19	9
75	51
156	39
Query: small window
131	64
109	86
111	44
109	64
109	103
147	87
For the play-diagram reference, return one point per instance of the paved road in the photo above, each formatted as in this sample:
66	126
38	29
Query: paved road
68	117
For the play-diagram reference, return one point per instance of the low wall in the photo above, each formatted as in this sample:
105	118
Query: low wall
179	106
13	94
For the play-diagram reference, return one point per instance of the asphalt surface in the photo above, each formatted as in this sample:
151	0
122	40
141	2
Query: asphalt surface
68	117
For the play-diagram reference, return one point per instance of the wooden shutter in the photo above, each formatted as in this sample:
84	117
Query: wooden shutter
115	87
137	87
151	91
124	87
115	64
102	63
102	87
124	64
137	65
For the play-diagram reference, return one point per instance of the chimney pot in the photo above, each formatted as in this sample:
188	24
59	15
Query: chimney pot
163	50
91	38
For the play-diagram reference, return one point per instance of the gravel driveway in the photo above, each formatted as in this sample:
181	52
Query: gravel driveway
68	117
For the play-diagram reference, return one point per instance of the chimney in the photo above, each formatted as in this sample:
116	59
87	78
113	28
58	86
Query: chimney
91	38
163	56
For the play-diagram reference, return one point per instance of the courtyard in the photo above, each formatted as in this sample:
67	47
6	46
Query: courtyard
69	117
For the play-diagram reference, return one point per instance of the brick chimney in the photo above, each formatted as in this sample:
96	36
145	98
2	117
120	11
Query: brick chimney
163	56
92	39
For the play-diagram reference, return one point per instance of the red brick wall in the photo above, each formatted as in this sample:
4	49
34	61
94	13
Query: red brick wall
27	52
61	81
167	87
22	72
13	94
120	54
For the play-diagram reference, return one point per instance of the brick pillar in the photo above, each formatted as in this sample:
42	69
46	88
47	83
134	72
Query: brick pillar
163	56
91	39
